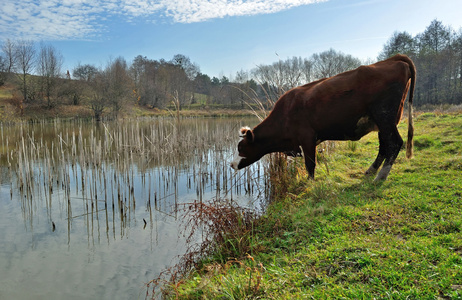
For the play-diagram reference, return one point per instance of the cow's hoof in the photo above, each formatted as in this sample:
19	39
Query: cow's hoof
371	171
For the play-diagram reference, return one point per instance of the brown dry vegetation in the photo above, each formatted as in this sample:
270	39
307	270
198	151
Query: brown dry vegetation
12	109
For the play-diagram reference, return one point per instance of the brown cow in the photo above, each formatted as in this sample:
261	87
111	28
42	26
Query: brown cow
343	107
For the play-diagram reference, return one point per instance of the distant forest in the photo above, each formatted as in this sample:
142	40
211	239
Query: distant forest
36	71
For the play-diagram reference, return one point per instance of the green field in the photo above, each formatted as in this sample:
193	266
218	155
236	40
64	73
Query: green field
343	236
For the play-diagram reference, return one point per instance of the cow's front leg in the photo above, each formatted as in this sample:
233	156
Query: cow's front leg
309	153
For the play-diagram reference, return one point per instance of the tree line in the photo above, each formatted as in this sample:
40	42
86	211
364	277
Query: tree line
437	54
36	69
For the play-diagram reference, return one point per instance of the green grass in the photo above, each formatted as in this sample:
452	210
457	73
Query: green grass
344	237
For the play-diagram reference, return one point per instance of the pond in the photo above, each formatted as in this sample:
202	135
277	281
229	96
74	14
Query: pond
93	211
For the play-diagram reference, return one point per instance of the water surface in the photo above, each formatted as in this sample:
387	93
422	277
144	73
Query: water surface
93	211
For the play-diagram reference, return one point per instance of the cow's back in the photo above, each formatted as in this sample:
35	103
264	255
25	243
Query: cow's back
341	101
353	89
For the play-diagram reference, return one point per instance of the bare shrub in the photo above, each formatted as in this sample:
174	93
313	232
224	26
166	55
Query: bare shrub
17	101
225	231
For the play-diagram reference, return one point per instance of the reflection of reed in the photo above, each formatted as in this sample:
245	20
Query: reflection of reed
100	174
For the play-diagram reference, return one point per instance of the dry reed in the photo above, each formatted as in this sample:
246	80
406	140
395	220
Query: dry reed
98	169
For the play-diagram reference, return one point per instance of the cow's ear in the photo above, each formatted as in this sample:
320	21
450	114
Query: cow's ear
243	130
249	135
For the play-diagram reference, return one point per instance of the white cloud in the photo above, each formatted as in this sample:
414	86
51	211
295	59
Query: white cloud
50	19
81	19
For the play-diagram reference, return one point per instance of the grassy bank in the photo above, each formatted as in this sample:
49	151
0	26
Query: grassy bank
10	113
13	110
344	237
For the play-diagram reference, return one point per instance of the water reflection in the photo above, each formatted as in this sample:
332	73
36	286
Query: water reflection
90	211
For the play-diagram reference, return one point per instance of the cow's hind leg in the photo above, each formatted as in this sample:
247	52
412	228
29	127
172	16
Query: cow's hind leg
379	160
386	116
390	143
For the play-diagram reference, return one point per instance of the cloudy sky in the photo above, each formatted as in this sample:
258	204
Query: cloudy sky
221	36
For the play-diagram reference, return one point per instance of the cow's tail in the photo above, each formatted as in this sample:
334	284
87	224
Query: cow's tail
410	124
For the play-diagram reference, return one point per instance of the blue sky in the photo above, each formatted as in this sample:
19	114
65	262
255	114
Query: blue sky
221	36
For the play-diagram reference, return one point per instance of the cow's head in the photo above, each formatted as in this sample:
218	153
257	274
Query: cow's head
248	151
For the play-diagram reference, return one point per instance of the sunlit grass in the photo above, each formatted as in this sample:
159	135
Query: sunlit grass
6	92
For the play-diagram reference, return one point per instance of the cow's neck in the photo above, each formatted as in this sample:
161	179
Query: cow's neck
271	134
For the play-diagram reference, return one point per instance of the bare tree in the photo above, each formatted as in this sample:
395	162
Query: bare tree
292	70
78	89
8	49
7	61
331	62
283	75
119	83
149	84
99	94
49	66
242	89
136	71
307	70
25	56
181	72
3	72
